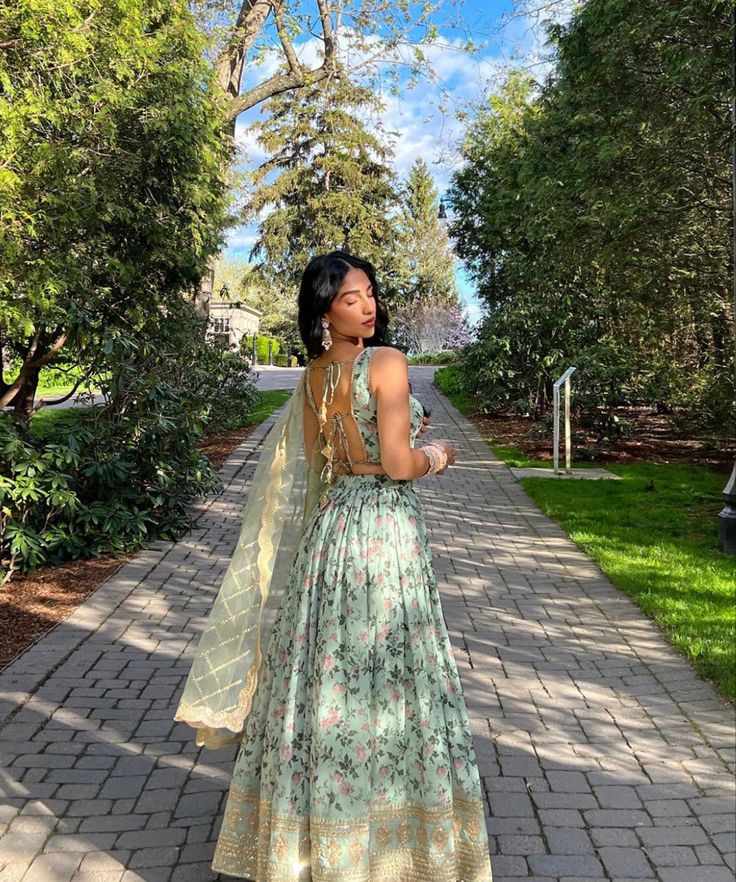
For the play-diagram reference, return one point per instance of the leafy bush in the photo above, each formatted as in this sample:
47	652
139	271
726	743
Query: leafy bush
36	483
514	367
496	371
443	356
707	403
246	347
607	376
125	471
450	380
290	361
225	379
99	487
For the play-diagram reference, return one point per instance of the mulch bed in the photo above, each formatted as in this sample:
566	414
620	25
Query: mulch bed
31	605
653	440
219	447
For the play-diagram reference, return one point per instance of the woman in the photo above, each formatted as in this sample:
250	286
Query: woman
356	759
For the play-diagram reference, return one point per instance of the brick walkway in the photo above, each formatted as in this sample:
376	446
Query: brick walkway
604	756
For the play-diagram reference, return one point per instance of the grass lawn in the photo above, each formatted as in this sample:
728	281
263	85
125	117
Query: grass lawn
265	405
51	421
654	534
49	391
515	458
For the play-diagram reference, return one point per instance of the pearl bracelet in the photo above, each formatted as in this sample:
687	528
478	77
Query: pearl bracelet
437	457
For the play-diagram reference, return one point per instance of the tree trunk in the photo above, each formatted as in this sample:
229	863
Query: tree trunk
203	296
720	330
23	393
229	66
3	385
25	396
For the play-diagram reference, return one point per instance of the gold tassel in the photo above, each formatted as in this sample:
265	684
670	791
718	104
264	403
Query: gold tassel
328	449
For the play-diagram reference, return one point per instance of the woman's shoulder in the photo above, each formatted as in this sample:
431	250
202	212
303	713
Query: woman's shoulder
388	367
388	355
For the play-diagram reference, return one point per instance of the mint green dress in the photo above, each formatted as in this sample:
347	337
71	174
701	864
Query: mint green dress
357	762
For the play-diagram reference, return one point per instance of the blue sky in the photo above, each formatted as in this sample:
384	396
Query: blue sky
424	128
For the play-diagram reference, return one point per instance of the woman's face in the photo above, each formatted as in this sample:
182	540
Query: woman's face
352	307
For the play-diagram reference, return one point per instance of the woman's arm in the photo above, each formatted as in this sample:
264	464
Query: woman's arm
388	376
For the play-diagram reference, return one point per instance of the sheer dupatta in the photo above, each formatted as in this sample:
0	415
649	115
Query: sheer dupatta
218	693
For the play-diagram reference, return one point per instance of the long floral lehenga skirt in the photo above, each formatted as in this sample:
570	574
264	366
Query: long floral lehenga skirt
357	761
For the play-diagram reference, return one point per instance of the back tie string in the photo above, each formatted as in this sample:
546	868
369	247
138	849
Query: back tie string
329	388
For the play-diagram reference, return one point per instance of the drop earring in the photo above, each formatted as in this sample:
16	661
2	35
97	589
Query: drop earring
326	336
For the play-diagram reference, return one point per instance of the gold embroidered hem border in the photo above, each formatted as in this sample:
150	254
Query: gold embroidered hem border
403	843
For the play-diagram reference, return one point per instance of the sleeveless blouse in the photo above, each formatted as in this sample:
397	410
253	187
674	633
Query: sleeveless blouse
347	412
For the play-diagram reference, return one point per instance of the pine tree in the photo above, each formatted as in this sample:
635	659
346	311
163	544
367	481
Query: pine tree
332	189
428	255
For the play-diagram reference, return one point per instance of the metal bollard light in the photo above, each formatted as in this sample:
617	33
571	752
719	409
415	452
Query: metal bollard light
727	516
565	378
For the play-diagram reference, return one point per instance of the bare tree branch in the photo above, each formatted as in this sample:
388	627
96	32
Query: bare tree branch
229	64
30	362
48	402
275	85
291	57
250	21
328	34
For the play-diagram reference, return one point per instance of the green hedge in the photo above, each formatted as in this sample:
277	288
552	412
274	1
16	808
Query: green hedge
262	340
290	361
443	356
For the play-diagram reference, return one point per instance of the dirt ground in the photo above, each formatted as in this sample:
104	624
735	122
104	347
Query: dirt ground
31	605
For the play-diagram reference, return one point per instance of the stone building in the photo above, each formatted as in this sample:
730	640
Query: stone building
232	320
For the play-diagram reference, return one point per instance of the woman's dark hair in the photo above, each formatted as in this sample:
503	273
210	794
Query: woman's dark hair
320	283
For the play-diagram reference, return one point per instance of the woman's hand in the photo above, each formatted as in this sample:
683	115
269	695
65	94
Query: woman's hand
424	426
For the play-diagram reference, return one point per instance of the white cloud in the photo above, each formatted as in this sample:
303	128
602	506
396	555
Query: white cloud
240	238
245	138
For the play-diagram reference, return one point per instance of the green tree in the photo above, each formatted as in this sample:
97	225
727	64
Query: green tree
352	47
331	186
112	198
487	189
427	250
598	210
246	282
